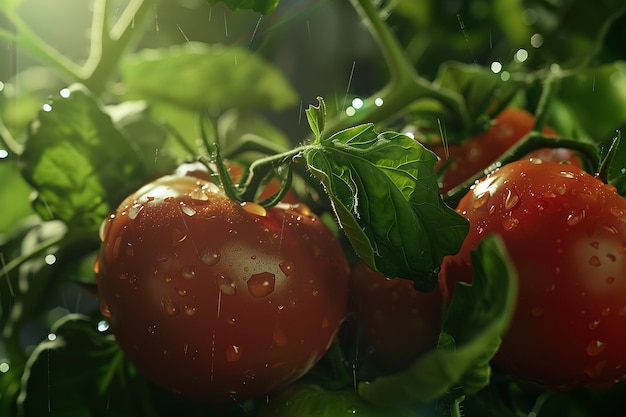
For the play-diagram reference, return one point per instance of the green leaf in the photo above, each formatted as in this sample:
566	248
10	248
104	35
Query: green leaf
78	372
197	76
477	317
316	116
261	6
79	163
386	198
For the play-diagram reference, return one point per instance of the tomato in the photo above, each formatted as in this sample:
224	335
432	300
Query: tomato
462	161
218	300
565	231
396	323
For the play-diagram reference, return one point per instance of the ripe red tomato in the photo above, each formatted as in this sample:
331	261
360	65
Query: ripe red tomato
219	300
565	231
395	322
462	161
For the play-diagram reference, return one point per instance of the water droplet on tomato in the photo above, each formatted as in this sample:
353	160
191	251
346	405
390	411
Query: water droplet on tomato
188	272
536	161
481	200
610	280
594	261
279	337
617	212
178	237
233	353
199	195
189	211
210	256
595	347
134	211
104	309
567	174
611	257
611	229
605	311
225	285
170	308
167	278
286	267
511	200
510	223
595	245
180	291
152	329
262	284
254	208
561	189
189	310
575	217
594	324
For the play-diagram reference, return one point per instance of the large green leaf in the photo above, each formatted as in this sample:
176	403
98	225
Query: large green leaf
386	198
197	76
79	163
477	317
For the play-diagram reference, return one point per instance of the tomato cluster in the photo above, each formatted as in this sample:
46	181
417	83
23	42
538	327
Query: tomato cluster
215	299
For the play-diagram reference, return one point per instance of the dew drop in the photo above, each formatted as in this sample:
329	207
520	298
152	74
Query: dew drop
279	337
189	211
225	285
302	209
254	208
189	310
152	329
178	237
611	257
594	324
575	217
611	229
198	195
180	291
595	347
104	309
105	226
233	353
510	223
595	245
168	306
511	200
210	256
567	174
134	210
617	212
594	261
167	278
262	284
188	272
610	280
606	311
561	189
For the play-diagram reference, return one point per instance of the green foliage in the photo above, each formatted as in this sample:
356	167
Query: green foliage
385	196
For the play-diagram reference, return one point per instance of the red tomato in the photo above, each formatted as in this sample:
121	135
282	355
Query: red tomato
565	231
462	161
395	322
219	300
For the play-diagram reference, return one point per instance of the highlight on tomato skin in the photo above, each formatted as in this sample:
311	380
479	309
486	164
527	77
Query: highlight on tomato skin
565	231
218	300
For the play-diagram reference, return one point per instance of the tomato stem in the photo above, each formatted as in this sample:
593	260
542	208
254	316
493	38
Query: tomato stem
605	164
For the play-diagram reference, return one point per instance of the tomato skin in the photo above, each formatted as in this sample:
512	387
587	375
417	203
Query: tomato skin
565	232
217	300
461	161
395	322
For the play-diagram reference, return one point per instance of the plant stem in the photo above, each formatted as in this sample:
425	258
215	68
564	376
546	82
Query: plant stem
404	86
104	58
8	141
